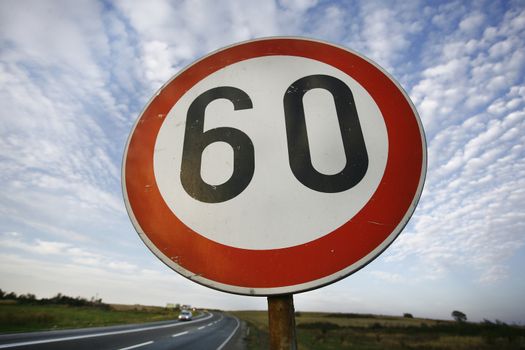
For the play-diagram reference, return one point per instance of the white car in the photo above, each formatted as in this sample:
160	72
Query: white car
185	315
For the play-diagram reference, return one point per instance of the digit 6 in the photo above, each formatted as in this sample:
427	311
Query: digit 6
196	140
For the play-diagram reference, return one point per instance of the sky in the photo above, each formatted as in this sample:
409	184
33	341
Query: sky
74	77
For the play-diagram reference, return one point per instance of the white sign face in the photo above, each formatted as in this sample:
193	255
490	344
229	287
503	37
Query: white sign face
275	210
274	166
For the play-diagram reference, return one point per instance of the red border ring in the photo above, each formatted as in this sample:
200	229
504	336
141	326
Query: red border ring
298	268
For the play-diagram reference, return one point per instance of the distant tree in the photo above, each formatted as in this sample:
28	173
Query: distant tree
459	316
27	298
407	315
500	323
11	296
2	294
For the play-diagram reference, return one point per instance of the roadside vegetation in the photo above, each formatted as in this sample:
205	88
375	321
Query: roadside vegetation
319	331
315	331
23	313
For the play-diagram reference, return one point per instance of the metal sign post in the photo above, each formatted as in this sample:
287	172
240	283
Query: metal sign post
281	318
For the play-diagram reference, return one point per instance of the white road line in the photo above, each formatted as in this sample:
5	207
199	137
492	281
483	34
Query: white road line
219	320
179	334
137	346
231	335
209	324
74	337
201	328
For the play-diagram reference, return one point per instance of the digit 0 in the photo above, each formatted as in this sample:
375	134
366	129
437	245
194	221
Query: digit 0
297	136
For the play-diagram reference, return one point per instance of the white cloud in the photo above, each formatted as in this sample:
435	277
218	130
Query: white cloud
47	32
329	23
66	253
387	276
45	247
298	5
59	168
472	105
174	33
386	32
446	15
472	22
494	274
158	62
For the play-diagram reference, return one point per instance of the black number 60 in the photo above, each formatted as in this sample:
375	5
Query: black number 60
196	140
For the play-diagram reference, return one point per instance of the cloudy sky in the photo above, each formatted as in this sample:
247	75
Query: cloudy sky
74	77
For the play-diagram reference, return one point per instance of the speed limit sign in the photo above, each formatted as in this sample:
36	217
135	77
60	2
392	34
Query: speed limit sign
274	166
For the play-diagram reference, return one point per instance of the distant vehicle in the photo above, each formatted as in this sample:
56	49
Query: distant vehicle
185	315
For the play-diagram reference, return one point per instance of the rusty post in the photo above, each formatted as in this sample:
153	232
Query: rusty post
281	317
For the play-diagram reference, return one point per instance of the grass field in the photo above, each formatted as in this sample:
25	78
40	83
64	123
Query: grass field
348	331
19	318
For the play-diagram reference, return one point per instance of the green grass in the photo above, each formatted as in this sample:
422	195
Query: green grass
257	322
18	318
320	331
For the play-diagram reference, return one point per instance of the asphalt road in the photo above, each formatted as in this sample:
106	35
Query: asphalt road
208	331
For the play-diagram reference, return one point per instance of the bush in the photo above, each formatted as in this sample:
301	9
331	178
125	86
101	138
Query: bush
58	299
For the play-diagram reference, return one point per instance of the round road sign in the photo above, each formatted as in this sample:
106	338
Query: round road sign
274	166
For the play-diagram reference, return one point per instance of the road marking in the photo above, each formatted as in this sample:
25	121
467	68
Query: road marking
201	328
219	320
179	334
74	337
231	335
209	324
137	346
